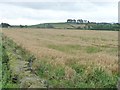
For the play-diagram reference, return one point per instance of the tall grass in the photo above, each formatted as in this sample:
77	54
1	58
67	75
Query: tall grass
81	59
76	75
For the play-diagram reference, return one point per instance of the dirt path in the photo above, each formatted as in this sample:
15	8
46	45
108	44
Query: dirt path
21	69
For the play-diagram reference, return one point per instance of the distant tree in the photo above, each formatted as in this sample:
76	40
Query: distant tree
21	26
69	20
106	26
5	25
26	26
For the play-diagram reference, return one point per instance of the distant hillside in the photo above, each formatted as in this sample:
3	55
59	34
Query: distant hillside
61	26
53	25
83	26
65	25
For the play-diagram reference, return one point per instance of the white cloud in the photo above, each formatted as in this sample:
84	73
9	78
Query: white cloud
92	10
59	0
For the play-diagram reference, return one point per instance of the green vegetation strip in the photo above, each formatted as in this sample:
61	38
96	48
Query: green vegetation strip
75	76
73	48
0	61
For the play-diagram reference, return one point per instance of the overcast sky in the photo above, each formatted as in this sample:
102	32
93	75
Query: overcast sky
28	12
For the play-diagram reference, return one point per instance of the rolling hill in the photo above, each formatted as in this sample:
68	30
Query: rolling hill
83	26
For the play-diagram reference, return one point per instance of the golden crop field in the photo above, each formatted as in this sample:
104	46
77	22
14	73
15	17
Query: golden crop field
65	48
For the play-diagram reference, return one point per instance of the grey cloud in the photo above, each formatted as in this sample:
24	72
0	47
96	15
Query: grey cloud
46	11
63	6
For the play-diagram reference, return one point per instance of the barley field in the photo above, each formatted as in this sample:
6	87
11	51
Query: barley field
71	58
